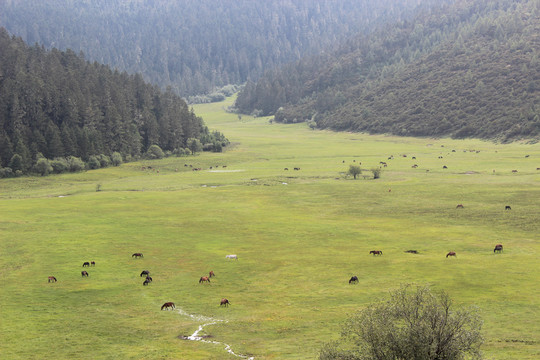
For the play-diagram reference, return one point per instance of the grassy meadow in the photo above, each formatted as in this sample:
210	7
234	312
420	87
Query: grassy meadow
299	235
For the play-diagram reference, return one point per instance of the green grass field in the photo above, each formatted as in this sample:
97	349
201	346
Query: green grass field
299	236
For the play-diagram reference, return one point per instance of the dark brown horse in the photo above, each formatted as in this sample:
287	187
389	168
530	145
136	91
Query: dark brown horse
353	280
412	251
168	305
148	278
86	263
507	207
460	206
93	263
145	273
376	252
451	253
210	274
204	279
84	273
52	279
137	255
224	302
146	282
498	248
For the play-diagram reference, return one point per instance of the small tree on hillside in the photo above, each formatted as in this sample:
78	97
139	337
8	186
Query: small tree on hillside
376	173
417	325
354	170
194	145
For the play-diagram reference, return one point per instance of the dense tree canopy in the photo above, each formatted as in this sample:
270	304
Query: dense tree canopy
194	45
55	104
464	69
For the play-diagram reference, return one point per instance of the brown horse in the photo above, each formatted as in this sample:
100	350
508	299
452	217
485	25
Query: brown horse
84	273
86	263
498	248
146	282
460	206
93	263
137	255
224	302
168	305
353	280
376	252
148	278
451	253
52	279
204	279
210	274
507	207
144	273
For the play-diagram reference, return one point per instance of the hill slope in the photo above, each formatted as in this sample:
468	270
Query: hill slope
56	104
194	45
469	69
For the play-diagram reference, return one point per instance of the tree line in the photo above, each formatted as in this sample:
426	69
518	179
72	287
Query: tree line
461	69
194	46
55	105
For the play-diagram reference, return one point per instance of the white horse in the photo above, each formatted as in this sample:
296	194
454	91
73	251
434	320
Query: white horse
231	257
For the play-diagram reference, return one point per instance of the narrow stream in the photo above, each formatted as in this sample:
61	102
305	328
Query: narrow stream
207	321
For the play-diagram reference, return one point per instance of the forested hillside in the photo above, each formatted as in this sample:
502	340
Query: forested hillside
195	45
56	105
468	69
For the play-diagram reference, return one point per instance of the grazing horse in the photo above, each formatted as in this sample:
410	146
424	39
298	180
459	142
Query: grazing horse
353	280
93	263
231	257
224	302
210	274
86	263
146	282
204	279
148	278
498	248
460	206
84	273
412	251
145	273
451	253
168	305
376	252
52	279
507	207
137	255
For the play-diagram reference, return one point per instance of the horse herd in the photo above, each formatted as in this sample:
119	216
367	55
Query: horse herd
354	279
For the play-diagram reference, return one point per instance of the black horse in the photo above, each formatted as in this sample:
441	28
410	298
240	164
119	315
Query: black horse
145	273
353	280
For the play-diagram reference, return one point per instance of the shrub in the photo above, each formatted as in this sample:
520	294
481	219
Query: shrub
155	152
116	158
93	162
43	167
59	165
75	164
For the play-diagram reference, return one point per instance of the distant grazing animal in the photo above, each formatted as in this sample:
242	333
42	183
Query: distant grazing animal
146	282
93	263
286	169
527	156
145	273
514	171
414	166
376	252
137	255
52	279
86	263
84	273
498	248
445	167
168	305
507	207
204	279
231	257
414	158
353	280
451	253
148	278
210	274
537	168
224	302
296	168
412	251
460	206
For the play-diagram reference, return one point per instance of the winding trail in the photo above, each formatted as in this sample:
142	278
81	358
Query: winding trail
207	321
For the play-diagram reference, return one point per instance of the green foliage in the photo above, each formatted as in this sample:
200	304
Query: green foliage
376	171
194	145
43	167
75	164
462	70
116	158
93	162
354	170
155	152
418	325
16	162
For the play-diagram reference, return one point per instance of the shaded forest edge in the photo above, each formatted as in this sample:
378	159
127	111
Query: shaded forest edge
61	113
470	69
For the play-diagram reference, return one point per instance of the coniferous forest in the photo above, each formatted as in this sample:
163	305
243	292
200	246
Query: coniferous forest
59	112
465	69
196	45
